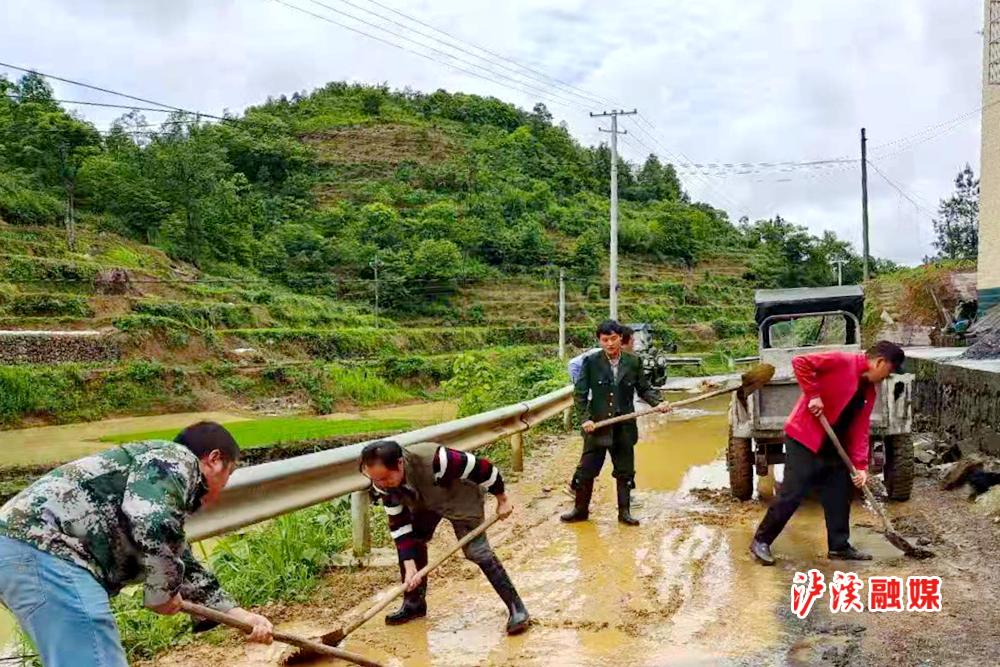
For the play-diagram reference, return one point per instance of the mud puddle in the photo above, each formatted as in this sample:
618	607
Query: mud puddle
677	590
680	589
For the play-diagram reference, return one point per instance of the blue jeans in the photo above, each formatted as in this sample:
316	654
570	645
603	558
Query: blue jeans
60	606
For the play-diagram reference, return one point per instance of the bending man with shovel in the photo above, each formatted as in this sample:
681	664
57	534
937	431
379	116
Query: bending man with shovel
423	484
841	387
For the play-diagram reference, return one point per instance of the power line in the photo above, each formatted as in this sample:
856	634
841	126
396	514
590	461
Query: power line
910	197
438	51
592	97
408	50
674	158
108	91
492	61
16	96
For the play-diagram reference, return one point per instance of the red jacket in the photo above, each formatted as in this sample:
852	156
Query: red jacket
834	377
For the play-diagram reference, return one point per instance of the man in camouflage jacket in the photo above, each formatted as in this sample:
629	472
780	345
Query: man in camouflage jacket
85	530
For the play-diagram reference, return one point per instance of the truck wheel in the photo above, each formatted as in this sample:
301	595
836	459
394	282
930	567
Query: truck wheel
739	460
899	466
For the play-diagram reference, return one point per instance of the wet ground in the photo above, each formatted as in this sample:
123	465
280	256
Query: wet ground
53	444
680	589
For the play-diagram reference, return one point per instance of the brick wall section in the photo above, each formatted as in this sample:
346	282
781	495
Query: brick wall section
989	173
32	347
960	404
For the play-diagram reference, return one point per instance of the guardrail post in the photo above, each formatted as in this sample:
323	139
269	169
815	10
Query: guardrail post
517	452
362	537
567	419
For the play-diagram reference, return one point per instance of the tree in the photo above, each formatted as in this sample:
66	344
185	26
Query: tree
655	182
436	259
188	169
61	145
672	232
957	224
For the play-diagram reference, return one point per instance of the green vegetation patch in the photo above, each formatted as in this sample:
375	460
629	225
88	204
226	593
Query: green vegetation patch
273	430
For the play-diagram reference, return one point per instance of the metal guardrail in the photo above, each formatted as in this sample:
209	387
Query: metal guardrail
270	489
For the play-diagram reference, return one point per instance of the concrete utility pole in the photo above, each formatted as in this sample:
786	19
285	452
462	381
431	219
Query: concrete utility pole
840	269
376	264
562	313
864	199
613	278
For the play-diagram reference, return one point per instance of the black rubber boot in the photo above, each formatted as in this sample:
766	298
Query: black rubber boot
414	606
581	505
762	552
625	503
848	553
518	619
414	602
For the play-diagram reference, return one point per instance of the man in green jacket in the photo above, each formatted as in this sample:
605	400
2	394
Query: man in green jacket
83	531
608	380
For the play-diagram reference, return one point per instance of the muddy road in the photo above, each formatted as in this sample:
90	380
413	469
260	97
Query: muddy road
679	589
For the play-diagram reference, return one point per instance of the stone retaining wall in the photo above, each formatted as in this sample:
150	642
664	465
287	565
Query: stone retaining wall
959	402
54	347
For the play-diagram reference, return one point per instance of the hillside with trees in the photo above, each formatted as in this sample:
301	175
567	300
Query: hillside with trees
249	245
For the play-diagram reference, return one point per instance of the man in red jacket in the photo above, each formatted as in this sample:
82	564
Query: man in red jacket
840	385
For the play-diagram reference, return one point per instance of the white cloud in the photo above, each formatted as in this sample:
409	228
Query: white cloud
723	81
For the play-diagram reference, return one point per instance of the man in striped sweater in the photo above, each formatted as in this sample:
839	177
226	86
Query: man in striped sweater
423	484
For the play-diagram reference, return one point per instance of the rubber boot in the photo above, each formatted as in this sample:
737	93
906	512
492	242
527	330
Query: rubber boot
518	619
414	602
625	503
414	606
581	504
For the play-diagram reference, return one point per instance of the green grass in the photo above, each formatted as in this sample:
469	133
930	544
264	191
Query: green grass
272	430
281	561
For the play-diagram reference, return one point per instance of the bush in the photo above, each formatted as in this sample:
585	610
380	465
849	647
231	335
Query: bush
50	305
21	268
482	382
25	205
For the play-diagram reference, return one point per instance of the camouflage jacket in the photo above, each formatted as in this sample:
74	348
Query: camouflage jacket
120	515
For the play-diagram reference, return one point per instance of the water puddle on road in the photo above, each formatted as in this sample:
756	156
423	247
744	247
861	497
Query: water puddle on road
680	589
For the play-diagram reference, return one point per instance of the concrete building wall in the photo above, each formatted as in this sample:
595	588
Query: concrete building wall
989	169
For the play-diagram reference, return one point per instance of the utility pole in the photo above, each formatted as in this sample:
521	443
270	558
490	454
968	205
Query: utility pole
613	259
562	313
376	264
567	413
840	269
864	199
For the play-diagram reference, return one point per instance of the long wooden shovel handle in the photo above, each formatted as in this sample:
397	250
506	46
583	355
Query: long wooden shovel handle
869	496
394	592
301	642
675	404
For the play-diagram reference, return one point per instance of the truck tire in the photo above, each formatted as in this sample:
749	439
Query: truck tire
899	466
739	460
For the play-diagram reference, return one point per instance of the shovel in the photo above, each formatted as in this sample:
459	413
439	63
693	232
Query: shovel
895	539
302	643
751	381
337	635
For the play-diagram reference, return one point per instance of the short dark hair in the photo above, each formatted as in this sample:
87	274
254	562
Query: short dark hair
386	452
205	437
627	334
608	327
890	352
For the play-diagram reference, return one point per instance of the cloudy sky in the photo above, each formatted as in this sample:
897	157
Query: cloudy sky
719	82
